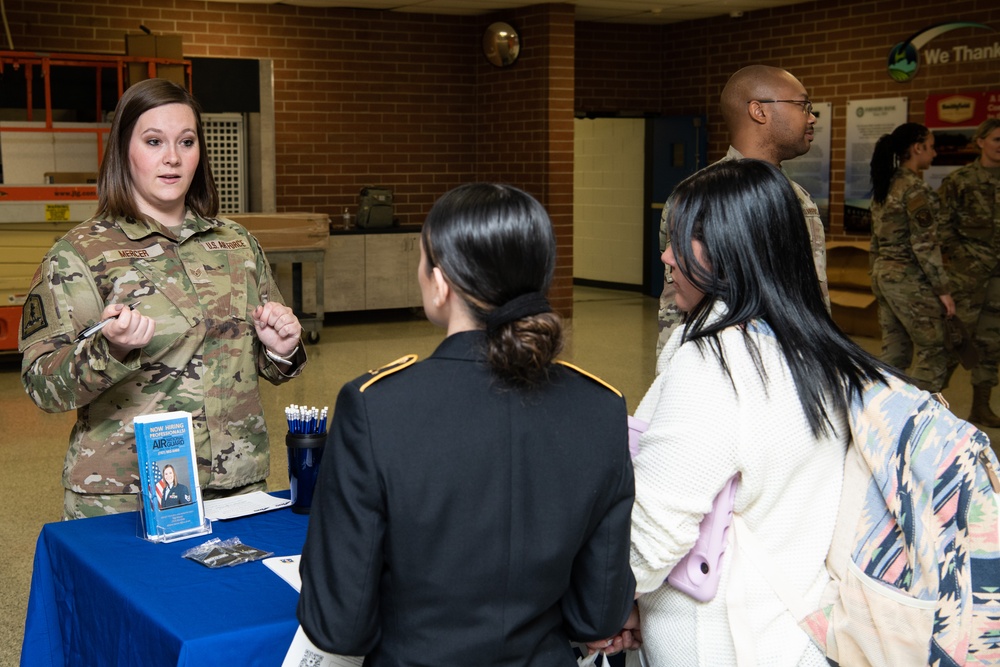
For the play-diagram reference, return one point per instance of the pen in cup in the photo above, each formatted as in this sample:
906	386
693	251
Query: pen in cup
94	328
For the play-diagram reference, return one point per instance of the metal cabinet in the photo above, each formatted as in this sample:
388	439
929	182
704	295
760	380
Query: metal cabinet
391	271
369	272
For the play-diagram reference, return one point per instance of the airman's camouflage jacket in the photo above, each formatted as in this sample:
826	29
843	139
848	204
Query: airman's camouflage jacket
200	284
905	230
970	196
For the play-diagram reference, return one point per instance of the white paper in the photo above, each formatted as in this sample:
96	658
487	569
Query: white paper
286	567
243	505
303	652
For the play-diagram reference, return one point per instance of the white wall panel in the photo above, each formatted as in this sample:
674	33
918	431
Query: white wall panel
609	164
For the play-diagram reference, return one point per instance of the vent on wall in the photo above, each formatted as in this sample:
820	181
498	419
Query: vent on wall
226	150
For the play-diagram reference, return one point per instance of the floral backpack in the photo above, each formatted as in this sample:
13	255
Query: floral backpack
915	557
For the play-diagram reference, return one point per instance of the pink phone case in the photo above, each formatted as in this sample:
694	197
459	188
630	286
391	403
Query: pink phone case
697	574
635	429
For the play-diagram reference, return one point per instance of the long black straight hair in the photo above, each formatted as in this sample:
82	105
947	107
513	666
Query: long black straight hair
758	262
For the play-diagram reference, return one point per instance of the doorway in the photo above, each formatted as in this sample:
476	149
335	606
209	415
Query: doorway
676	147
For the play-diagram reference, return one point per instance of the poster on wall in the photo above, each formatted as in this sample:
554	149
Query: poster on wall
867	120
812	170
954	117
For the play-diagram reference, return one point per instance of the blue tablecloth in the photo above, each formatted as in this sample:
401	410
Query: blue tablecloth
102	596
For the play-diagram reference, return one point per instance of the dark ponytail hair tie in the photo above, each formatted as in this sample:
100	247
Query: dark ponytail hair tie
532	303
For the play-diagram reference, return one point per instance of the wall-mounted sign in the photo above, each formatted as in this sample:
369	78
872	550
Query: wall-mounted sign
867	120
954	118
961	109
904	59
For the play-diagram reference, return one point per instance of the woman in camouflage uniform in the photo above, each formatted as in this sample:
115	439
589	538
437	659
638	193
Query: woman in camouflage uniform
208	320
971	242
908	278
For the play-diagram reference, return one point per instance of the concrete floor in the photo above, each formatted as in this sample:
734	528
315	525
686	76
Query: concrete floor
612	334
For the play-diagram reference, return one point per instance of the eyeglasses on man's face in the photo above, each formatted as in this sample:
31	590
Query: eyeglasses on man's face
807	106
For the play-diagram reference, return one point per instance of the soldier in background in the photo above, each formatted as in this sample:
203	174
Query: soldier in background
769	117
908	278
970	241
208	320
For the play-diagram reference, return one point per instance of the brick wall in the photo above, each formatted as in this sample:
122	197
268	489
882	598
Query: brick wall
524	125
370	97
361	97
407	100
837	48
621	68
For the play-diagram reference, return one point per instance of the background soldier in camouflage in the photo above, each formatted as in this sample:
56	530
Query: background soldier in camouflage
970	239
769	117
210	320
908	278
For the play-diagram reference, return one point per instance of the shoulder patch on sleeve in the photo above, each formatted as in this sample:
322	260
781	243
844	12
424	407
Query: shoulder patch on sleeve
387	370
591	376
33	317
916	201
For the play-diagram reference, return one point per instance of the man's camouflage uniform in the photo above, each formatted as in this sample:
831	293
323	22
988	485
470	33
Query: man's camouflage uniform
970	241
669	316
200	284
908	277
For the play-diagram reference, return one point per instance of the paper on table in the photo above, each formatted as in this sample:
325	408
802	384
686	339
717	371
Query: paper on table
286	567
234	507
303	652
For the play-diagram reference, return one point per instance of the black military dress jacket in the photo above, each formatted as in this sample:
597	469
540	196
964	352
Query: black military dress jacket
459	522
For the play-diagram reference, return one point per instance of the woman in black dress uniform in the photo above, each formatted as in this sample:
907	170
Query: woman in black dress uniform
474	508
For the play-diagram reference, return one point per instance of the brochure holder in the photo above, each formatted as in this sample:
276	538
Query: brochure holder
170	503
160	534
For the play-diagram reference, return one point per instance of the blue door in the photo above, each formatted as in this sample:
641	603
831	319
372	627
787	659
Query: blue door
675	148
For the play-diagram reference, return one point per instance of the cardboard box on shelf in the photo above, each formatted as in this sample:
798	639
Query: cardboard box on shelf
853	305
286	231
155	46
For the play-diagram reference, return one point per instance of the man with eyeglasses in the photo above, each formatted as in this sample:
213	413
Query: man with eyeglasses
769	117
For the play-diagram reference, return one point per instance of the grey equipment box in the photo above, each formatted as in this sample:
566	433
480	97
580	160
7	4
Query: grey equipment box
375	207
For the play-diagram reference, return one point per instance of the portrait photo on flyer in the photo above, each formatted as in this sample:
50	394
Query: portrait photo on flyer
172	506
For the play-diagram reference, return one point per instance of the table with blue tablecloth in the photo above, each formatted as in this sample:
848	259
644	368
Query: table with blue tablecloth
102	596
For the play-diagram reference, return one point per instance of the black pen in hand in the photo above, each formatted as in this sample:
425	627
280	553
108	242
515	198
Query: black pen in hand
94	328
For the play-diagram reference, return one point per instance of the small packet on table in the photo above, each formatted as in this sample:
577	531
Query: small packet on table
225	553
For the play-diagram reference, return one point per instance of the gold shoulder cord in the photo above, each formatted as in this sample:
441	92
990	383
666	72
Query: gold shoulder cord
590	375
389	369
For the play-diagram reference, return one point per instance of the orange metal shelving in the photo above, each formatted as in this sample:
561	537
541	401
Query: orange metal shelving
44	62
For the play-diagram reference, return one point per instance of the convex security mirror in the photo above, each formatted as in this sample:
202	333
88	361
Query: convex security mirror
501	44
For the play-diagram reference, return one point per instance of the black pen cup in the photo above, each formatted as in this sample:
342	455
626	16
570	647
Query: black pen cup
305	451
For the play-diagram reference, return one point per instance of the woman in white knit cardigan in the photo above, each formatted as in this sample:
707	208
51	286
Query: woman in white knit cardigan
756	383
